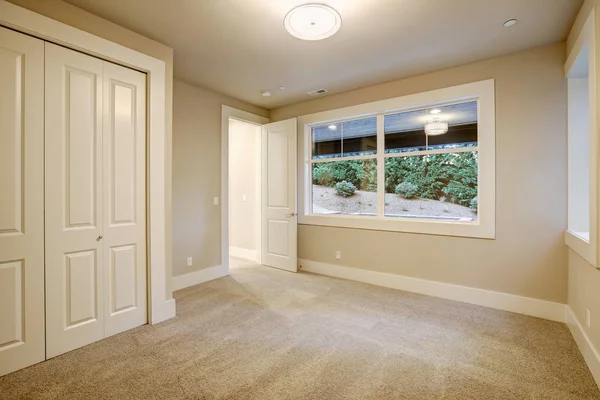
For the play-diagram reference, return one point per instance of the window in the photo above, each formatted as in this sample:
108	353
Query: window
421	163
344	168
579	154
582	139
432	175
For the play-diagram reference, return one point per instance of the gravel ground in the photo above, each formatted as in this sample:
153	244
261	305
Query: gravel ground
326	201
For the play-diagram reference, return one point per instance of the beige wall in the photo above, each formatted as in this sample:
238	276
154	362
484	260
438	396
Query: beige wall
528	257
584	294
584	279
78	18
244	180
196	175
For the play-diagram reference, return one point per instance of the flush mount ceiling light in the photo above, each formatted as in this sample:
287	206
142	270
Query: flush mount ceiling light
436	127
266	93
510	22
313	22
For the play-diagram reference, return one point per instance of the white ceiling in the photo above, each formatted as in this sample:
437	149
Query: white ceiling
240	47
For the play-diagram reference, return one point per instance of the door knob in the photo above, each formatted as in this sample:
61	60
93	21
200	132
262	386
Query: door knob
291	215
99	238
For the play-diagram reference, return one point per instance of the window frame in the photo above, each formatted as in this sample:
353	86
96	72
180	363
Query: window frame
586	247
484	227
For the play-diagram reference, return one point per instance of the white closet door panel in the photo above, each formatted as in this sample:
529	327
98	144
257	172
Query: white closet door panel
124	202
21	201
74	257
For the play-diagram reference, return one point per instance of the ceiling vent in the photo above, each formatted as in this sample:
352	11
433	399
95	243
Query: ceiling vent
317	92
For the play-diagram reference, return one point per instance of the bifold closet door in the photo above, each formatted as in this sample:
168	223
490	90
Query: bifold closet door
74	257
21	201
95	199
124	202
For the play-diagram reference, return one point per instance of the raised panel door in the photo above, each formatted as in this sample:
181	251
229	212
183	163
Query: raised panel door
21	201
280	222
74	256
124	201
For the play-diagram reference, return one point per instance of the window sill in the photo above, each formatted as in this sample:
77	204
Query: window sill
579	242
419	226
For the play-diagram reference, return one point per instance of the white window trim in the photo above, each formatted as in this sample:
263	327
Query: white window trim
587	247
484	227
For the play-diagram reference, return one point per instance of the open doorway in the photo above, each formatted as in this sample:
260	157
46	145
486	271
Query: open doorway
244	192
258	188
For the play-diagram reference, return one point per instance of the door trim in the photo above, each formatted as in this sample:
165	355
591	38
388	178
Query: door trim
226	114
161	305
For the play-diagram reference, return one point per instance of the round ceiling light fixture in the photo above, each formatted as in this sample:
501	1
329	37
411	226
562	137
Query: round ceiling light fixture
436	127
267	93
312	22
510	22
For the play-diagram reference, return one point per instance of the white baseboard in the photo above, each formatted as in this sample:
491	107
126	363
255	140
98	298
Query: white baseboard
487	298
166	311
197	277
587	348
246	254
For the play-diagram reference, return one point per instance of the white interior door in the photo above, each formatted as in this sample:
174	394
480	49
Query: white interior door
74	258
21	201
124	206
279	218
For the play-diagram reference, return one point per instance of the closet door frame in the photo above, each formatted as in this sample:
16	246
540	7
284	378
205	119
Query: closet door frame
161	305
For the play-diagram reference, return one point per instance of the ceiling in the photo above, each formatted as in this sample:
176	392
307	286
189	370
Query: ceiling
240	47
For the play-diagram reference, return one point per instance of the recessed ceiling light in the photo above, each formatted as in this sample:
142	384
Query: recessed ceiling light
312	22
435	111
282	87
510	22
267	93
333	127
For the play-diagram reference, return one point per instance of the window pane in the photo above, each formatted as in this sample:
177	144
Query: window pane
437	186
359	137
345	139
326	141
462	126
406	131
345	187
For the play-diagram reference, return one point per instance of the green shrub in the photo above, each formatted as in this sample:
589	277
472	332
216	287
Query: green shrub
368	179
407	190
473	204
460	193
344	189
453	175
323	176
361	173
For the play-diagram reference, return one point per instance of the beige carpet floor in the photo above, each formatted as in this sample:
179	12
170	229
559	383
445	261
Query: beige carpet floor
267	334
